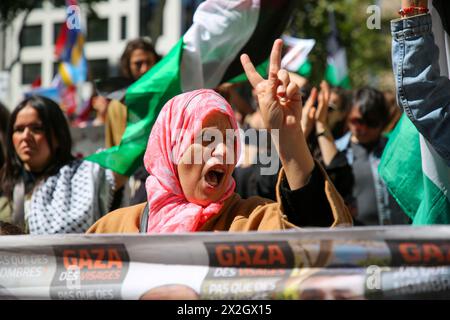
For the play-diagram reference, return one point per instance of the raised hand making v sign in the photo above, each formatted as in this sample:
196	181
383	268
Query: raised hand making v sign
281	109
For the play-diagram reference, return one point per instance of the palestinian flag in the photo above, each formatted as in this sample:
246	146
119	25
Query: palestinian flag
336	72
207	55
415	174
296	57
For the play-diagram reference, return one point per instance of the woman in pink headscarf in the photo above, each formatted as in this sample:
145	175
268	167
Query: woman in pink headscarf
191	154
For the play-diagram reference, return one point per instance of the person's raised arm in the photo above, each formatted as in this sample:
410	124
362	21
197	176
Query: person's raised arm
323	133
422	92
309	113
281	109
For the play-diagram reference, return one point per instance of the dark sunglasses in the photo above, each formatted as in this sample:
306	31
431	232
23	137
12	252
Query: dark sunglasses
362	122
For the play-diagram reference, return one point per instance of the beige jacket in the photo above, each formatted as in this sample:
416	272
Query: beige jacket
237	214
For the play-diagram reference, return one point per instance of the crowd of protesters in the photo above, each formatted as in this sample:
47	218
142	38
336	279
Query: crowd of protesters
329	144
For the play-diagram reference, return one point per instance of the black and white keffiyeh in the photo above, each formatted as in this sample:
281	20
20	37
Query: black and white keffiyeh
72	200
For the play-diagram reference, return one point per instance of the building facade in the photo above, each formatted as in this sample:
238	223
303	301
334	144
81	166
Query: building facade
107	32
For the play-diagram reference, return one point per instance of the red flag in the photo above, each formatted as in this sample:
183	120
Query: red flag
69	99
61	40
37	82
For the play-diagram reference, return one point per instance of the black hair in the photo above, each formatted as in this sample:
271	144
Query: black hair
58	137
8	229
4	117
344	96
372	105
139	43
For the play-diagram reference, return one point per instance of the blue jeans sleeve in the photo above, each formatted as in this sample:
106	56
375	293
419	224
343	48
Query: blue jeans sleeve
422	92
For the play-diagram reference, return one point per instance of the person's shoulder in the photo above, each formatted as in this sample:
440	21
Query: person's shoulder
123	220
72	164
256	213
244	208
71	167
343	142
84	168
78	170
239	214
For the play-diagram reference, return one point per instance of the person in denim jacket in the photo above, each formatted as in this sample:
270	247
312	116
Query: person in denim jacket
422	92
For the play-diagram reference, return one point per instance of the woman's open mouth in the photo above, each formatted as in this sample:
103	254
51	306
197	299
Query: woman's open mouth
215	176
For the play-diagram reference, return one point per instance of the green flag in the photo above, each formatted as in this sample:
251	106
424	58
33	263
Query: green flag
416	176
207	55
336	72
144	99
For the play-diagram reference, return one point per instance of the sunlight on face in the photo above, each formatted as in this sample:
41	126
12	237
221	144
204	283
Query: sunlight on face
361	132
29	140
140	62
204	170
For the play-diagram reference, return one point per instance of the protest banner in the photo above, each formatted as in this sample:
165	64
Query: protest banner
357	263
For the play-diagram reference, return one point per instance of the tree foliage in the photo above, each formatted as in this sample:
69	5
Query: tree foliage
368	51
10	9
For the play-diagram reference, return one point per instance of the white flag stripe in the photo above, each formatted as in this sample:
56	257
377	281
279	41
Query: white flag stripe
297	55
434	167
221	28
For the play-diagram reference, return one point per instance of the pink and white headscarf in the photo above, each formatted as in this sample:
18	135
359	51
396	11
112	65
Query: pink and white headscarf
179	121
